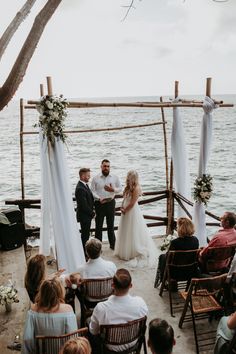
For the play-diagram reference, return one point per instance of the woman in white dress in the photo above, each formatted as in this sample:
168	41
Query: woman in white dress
133	238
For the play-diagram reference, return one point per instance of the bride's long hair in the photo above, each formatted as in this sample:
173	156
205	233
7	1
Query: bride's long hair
132	181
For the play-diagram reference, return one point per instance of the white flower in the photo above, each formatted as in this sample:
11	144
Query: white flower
49	104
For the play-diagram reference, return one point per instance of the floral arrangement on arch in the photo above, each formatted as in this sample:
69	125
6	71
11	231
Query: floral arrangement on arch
53	111
203	187
8	295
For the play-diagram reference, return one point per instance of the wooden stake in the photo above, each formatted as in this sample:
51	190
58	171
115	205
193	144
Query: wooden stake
165	145
176	89
41	90
22	155
208	86
49	85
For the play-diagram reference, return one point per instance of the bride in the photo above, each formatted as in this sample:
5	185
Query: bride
133	238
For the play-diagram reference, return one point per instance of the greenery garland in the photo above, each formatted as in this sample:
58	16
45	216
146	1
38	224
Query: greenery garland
53	111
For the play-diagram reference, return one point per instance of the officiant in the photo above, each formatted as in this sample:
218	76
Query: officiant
85	204
104	187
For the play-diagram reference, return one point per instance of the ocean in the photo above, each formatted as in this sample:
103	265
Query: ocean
141	149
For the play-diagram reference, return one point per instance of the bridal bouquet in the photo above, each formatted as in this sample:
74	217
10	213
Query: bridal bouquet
8	295
203	188
53	112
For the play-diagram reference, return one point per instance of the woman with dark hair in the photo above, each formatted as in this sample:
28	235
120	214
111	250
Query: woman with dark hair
49	315
35	274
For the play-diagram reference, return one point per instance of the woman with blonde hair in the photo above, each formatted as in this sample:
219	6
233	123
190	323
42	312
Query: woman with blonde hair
78	345
184	242
133	238
49	315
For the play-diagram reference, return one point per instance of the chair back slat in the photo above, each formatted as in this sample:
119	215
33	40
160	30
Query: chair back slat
219	257
208	286
182	265
98	288
53	344
125	333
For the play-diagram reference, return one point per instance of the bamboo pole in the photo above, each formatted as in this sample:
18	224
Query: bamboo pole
49	85
166	160
41	89
208	86
165	145
102	129
191	203
22	156
141	105
182	206
170	229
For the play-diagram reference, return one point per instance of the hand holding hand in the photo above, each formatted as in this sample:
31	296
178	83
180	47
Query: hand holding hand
109	188
122	210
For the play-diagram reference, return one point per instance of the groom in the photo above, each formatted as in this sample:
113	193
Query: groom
104	187
85	204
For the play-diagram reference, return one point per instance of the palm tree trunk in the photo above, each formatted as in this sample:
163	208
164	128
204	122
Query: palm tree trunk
18	71
13	26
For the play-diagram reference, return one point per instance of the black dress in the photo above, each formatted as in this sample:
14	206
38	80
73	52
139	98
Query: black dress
184	243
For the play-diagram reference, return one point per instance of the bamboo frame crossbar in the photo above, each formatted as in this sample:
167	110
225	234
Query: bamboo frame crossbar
101	129
140	105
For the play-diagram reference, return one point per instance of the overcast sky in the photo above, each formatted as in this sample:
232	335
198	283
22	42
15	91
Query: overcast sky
90	52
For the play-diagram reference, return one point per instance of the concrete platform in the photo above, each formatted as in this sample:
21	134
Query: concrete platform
13	266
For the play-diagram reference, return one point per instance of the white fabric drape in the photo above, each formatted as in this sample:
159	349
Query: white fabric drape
58	220
180	160
199	216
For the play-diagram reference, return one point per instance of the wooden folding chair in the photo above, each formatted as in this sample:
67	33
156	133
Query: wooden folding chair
130	334
53	344
181	266
204	297
92	292
218	259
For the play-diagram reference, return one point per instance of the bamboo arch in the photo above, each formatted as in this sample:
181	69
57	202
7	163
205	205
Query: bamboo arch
169	194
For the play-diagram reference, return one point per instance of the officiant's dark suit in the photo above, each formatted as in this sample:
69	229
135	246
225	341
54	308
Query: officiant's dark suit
85	204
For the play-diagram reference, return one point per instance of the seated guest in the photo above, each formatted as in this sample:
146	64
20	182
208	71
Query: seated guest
119	308
160	337
96	266
225	332
224	237
36	273
49	315
78	345
184	242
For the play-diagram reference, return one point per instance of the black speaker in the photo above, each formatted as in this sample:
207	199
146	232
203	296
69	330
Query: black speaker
12	236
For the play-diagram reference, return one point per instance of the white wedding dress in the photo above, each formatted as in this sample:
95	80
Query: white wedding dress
133	240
